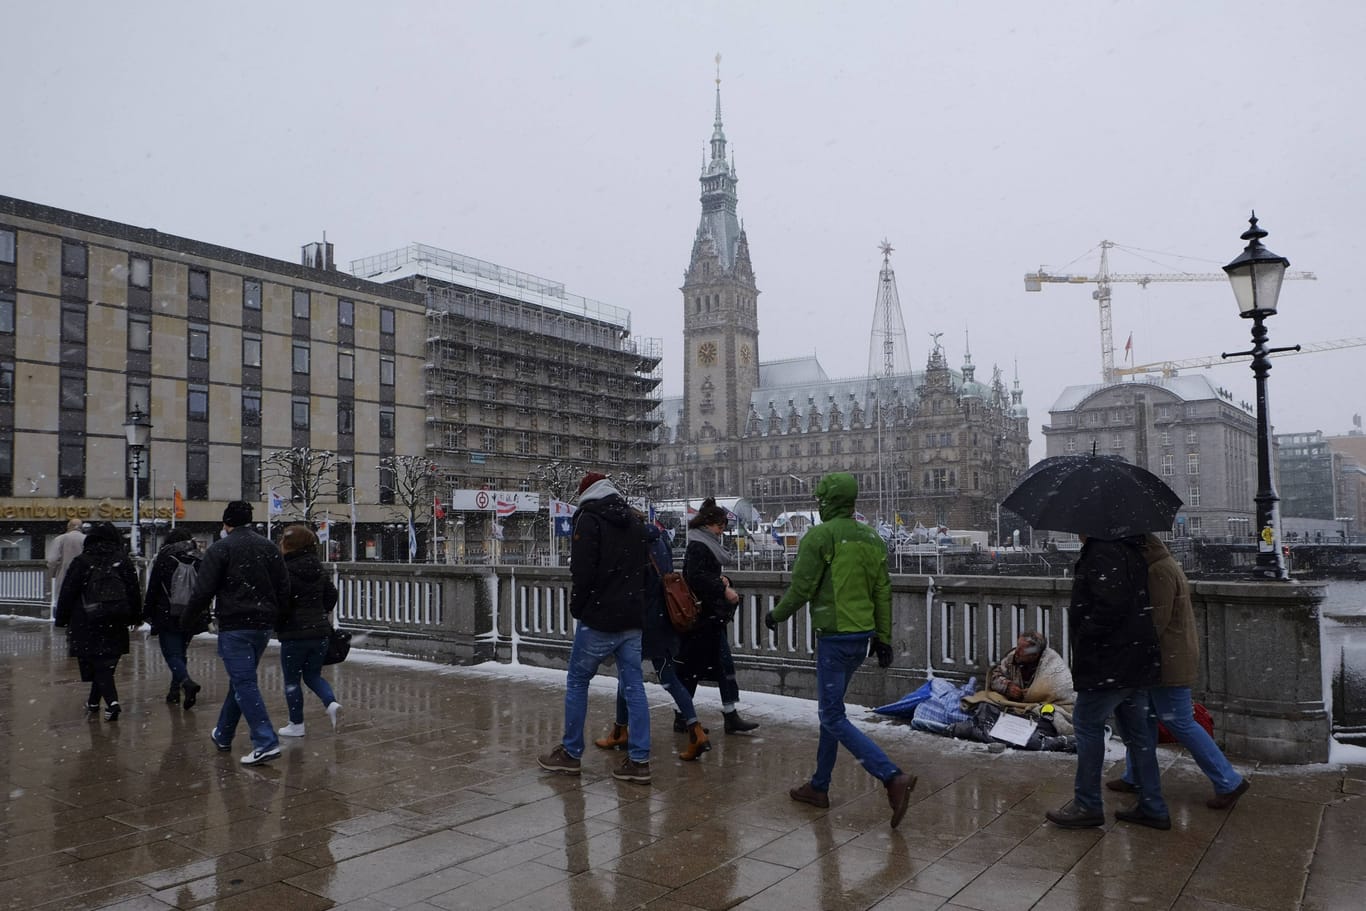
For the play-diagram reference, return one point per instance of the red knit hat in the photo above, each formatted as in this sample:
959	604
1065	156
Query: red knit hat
590	479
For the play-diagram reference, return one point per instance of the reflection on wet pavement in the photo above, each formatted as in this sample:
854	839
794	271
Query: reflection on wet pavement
429	798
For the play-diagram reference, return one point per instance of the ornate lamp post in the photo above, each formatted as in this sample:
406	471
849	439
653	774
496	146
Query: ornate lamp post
138	430
1256	277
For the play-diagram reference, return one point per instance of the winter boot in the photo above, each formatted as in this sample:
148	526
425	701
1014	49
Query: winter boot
680	726
173	695
737	725
698	743
191	693
615	740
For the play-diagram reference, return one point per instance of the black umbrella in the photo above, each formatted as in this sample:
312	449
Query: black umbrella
1098	496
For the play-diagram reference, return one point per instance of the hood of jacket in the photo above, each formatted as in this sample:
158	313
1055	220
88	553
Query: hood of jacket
599	490
1153	549
835	495
304	564
610	508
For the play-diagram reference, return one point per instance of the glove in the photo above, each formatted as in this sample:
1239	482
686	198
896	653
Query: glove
882	651
771	621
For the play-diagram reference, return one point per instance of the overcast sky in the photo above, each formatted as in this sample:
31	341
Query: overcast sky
565	139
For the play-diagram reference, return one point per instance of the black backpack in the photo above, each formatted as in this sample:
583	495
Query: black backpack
104	597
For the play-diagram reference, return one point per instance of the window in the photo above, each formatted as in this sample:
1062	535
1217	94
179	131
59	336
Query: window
299	414
386	485
1167	469
346	312
199	285
6	382
301	304
251	475
490	390
73	324
7	245
139	332
344	488
589	450
73	393
139	272
197	403
386	423
346	365
73	260
1193	495
7	312
71	469
251	408
1192	463
488	438
1071	444
1192	437
524	443
251	294
251	349
1195	525
386	320
197	473
346	418
1166	438
139	396
301	358
199	343
386	371
557	447
1117	443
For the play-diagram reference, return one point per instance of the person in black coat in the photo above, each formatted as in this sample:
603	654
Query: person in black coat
303	627
164	617
706	652
1115	658
97	642
660	643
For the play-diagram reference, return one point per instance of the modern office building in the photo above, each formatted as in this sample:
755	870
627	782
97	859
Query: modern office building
1305	476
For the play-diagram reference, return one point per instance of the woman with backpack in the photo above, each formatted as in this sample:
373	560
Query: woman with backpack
169	587
99	601
303	628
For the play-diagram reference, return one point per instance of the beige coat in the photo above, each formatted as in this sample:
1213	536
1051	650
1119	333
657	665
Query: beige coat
63	549
1173	616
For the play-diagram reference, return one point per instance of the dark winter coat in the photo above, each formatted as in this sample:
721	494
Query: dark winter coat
158	604
86	638
608	562
703	572
658	637
247	576
1114	643
311	599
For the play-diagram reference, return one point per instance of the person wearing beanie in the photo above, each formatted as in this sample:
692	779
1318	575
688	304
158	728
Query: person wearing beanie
243	574
98	603
180	549
705	653
608	563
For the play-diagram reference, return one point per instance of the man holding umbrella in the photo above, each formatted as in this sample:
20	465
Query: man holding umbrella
1109	503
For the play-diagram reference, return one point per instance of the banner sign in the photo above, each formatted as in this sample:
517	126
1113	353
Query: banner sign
487	500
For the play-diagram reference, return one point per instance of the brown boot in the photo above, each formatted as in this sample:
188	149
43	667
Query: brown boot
698	742
616	740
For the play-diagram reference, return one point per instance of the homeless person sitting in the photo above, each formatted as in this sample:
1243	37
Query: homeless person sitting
1032	681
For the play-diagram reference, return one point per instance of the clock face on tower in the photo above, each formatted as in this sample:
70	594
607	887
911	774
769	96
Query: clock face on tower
706	354
745	355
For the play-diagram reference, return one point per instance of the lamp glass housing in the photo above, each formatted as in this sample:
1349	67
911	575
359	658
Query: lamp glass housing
1257	284
138	429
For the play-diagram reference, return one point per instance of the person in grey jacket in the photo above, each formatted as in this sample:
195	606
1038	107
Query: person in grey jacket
246	575
303	627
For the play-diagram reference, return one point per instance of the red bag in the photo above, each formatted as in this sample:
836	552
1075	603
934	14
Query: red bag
682	604
1202	718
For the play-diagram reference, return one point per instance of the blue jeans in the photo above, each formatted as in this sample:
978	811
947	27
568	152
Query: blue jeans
1172	706
668	678
1130	708
174	647
303	658
241	651
590	649
837	658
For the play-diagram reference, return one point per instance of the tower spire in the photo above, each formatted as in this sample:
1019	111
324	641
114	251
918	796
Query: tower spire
718	136
888	353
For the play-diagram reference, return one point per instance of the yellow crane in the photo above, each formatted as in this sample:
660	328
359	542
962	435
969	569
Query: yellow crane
1034	281
1171	368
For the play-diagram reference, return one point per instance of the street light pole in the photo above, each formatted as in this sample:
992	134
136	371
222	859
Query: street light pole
138	431
1256	276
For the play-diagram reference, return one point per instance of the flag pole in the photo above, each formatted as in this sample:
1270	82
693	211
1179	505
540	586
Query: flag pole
175	499
352	498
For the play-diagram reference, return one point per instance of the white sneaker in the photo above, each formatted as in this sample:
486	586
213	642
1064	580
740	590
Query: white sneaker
292	730
256	757
332	709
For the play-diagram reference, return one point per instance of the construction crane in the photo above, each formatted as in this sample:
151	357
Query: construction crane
1171	368
1104	278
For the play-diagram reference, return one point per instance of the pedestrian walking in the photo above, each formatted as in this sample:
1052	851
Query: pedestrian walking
243	574
1115	659
303	627
170	585
660	643
608	562
98	602
705	653
1174	620
62	550
841	571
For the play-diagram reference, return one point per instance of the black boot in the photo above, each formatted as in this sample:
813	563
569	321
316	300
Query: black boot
680	726
737	725
191	692
173	695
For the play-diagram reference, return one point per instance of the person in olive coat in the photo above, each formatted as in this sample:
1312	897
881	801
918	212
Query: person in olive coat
97	642
303	627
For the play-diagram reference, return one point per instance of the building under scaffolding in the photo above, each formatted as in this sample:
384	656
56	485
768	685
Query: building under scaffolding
522	375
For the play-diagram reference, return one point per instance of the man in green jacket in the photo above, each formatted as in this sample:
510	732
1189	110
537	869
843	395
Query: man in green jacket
841	570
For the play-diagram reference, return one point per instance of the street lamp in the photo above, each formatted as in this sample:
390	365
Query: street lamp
138	430
1256	277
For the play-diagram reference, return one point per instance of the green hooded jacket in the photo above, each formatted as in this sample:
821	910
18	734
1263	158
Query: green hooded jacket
841	568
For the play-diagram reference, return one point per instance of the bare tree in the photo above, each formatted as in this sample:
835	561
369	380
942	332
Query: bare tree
306	474
413	479
558	478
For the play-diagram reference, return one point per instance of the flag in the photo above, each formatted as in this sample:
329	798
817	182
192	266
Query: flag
559	509
178	501
505	508
497	531
860	517
777	537
437	511
276	505
564	526
1129	348
324	530
412	540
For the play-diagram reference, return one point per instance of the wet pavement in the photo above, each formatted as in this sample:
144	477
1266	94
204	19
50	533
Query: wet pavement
429	797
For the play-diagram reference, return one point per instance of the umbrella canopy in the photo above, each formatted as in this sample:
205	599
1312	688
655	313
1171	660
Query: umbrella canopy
1098	496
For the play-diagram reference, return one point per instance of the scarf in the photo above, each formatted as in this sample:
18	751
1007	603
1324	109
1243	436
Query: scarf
713	543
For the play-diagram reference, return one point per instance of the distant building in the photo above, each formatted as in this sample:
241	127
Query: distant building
1349	478
1305	476
1182	429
